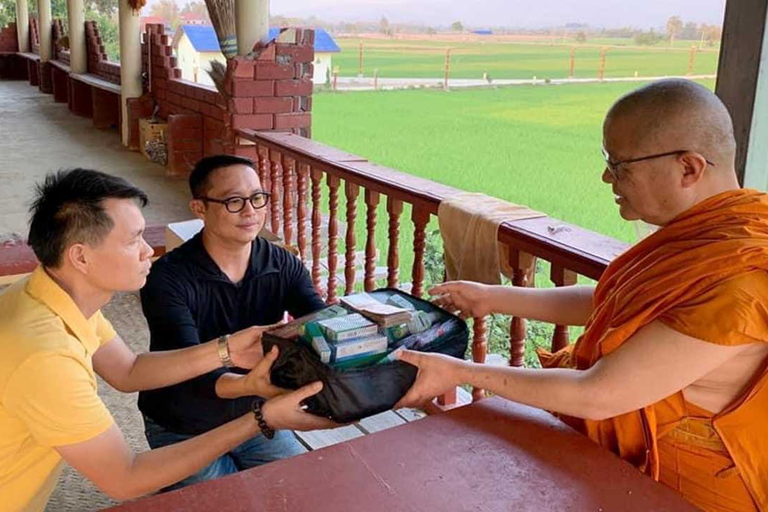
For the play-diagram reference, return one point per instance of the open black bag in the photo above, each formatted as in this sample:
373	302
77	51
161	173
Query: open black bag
355	393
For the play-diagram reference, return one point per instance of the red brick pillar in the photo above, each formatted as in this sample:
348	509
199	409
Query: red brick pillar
274	91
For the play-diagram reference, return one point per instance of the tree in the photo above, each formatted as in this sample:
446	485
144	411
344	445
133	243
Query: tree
690	31
647	38
674	27
7	12
581	37
457	26
105	7
711	34
384	25
168	11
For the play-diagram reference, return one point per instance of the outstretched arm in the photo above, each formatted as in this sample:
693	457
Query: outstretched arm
566	305
653	364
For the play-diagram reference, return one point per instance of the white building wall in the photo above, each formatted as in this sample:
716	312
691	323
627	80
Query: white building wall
194	64
323	68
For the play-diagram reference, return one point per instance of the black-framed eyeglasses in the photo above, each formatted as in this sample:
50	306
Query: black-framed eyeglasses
613	166
236	204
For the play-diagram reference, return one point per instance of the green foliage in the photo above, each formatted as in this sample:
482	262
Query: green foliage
7	12
581	37
457	26
647	38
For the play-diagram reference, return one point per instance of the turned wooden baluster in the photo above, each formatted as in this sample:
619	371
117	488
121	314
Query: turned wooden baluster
333	235
289	170
317	218
561	277
371	202
276	179
302	177
263	167
394	208
520	263
420	219
352	191
479	349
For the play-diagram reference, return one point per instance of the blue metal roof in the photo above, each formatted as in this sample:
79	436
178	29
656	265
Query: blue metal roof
204	39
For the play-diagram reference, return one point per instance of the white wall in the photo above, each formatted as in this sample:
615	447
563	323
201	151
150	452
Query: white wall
323	68
194	65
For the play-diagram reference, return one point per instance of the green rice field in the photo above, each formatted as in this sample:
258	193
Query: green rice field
517	60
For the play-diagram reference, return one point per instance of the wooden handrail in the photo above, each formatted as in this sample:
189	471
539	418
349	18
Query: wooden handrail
287	162
582	251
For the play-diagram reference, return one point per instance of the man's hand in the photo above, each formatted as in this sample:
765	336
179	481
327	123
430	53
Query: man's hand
245	346
468	298
258	382
437	375
287	411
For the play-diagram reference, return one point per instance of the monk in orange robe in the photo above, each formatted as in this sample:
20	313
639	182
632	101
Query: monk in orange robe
671	373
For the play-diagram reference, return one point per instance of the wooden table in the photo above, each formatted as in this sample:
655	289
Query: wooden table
489	456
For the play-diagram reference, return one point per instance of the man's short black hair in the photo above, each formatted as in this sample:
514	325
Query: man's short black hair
69	208
198	179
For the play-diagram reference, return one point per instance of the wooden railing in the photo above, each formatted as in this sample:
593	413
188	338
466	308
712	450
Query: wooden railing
295	169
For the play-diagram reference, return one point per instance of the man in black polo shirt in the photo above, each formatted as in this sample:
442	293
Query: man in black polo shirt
224	279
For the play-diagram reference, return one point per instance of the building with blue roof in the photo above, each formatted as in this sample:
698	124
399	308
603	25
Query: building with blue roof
197	45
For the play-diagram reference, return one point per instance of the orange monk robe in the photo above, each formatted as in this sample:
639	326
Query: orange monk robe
704	275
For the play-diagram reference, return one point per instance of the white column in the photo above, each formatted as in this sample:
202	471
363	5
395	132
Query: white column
130	61
252	22
756	165
78	57
742	84
22	25
44	27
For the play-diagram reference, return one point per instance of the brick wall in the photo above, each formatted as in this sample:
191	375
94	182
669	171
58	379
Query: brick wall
195	112
57	32
8	39
97	57
273	92
34	35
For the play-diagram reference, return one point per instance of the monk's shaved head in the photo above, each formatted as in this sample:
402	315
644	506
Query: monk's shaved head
674	114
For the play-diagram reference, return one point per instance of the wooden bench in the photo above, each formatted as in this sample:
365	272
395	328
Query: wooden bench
33	67
60	78
96	98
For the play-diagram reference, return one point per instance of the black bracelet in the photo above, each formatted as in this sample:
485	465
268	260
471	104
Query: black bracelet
259	416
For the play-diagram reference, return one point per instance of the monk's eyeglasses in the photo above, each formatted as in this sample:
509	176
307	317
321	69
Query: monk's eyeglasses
236	204
614	166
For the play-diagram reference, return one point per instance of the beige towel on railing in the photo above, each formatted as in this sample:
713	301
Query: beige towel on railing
469	225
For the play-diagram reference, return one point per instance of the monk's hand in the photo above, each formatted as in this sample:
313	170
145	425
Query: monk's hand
245	346
287	411
258	381
437	375
465	298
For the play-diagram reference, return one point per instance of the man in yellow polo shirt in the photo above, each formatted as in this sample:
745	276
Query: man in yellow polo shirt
86	230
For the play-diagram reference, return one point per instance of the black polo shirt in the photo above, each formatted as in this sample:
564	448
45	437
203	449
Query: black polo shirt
188	300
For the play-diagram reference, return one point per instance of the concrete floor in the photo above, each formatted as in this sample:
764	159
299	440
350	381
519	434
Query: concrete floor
38	136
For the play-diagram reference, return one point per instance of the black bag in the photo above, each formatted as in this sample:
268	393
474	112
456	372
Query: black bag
354	393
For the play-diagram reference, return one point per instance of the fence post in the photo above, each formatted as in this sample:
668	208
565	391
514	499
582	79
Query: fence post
601	71
360	61
692	60
447	70
573	57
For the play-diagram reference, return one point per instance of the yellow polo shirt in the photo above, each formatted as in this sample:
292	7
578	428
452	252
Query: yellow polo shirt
47	386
